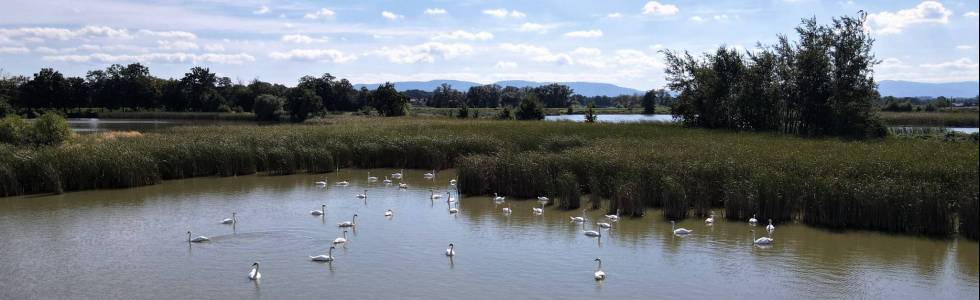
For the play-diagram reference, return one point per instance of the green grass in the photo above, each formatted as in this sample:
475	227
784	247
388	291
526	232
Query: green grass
895	185
216	116
490	113
938	119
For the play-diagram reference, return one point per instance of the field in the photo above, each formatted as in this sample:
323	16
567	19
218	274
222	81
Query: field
912	186
938	119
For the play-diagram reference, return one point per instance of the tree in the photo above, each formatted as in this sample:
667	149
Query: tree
199	88
529	109
445	96
301	103
649	102
388	101
48	88
14	130
483	96
267	107
463	112
554	95
50	129
590	116
505	114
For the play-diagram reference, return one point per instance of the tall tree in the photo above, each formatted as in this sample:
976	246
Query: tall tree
554	95
388	101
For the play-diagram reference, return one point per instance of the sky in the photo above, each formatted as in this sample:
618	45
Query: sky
369	41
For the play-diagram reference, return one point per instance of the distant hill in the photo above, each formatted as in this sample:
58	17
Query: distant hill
966	89
588	89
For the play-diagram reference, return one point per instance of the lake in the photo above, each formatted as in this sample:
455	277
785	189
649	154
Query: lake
90	125
132	243
616	118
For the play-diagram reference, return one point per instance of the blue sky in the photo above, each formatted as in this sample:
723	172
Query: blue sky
484	41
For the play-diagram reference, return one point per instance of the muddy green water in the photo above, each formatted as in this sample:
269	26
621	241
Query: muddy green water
131	244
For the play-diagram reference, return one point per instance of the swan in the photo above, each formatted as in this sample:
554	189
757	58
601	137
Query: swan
254	273
433	195
362	196
321	183
343	183
451	251
199	239
604	225
498	198
429	175
452	209
752	220
769	227
402	185
506	210
341	240
590	233
762	241
323	210
321	257
387	181
710	219
452	182
543	199
614	217
679	231
348	224
397	175
538	210
599	274
389	213
371	178
579	219
230	221
449	198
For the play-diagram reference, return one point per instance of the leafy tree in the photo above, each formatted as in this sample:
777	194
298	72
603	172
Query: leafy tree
505	114
463	112
483	96
590	116
388	101
50	129
267	107
445	96
14	130
529	109
554	95
48	88
301	103
511	96
199	88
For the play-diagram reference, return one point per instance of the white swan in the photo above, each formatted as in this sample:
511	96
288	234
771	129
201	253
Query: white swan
341	240
387	181
371	178
397	175
452	182
449	197
362	196
348	223
679	231
614	217
604	225
590	233
402	185
498	198
321	257
710	219
343	183
451	251
389	213
538	210
230	221
323	210
543	199
321	183
579	219
199	239
752	220
769	227
433	195
506	210
429	175
254	274
599	274
763	240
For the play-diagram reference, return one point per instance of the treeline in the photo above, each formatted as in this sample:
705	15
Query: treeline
819	85
200	90
908	104
552	96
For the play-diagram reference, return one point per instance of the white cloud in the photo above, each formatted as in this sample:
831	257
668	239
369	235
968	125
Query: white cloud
637	58
971	14
505	65
720	17
301	39
892	63
927	12
435	11
262	10
587	51
584	34
424	53
169	34
177	57
615	15
533	27
321	13
391	16
959	64
214	48
14	50
504	13
537	53
697	19
44	50
322	55
964	47
177	45
657	9
464	35
656	46
38	34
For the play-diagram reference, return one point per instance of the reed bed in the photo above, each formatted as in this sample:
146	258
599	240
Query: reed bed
896	185
938	119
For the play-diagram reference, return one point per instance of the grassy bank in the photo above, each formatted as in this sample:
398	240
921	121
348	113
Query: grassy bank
896	185
937	119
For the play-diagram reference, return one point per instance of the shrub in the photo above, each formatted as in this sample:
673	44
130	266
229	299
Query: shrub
267	107
50	129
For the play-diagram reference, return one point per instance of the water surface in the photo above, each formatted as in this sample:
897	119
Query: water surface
131	243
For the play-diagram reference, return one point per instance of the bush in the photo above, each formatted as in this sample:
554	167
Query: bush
13	130
50	129
530	109
267	107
